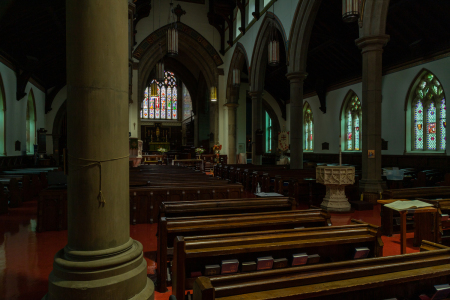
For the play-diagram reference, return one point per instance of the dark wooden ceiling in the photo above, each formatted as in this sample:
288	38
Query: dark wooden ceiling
32	37
418	29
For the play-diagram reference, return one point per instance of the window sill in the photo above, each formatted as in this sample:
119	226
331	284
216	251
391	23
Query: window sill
351	151
437	153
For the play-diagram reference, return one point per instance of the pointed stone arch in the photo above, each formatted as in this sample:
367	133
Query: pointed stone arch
259	56
238	61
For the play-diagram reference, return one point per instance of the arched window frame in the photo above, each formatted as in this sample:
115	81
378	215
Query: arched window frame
152	108
31	119
308	128
2	118
350	112
427	90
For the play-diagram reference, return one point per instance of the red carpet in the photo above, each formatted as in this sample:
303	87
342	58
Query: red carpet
26	257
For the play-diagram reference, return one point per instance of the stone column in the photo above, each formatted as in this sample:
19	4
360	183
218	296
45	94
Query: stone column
100	261
232	107
256	124
372	51
296	119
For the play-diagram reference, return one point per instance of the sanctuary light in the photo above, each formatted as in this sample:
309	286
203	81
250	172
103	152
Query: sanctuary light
172	34
350	10
236	77
213	94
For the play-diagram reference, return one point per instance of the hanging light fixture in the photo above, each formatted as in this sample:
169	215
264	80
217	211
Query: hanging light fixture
213	94
160	70
236	77
274	45
350	10
172	34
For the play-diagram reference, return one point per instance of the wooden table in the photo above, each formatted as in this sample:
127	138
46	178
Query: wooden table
403	219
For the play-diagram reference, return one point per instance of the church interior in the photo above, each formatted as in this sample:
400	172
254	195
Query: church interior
224	149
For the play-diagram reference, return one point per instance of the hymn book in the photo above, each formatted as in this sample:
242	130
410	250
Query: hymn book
404	205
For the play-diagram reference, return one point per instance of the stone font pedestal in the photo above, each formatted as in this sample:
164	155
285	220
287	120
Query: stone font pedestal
335	178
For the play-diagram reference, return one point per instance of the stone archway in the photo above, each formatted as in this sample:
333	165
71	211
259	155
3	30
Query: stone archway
257	75
195	52
239	61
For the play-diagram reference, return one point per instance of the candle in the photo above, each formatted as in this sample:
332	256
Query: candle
340	152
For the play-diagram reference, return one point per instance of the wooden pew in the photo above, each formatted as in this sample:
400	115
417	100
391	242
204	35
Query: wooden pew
145	201
225	206
275	178
414	193
335	243
396	277
170	228
433	227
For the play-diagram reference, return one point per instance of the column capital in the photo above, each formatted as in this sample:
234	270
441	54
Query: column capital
296	76
372	43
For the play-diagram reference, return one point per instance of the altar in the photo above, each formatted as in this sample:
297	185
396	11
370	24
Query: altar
154	146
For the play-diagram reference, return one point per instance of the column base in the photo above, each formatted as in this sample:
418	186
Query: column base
335	199
372	186
119	273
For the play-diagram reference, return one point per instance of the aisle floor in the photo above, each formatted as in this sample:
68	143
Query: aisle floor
26	257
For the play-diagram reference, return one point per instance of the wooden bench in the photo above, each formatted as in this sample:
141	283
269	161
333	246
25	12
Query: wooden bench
414	193
170	228
335	243
396	277
433	227
225	206
145	201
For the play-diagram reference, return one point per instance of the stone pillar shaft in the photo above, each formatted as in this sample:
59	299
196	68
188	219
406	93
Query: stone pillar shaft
256	124
100	261
372	51
232	107
296	119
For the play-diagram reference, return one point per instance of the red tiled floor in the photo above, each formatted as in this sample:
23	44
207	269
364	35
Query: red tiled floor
26	257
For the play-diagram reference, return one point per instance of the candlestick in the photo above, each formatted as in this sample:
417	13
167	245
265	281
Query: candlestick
340	152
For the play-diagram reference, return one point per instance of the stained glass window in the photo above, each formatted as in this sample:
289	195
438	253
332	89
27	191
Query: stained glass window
162	103
418	125
308	127
352	117
268	133
187	103
429	112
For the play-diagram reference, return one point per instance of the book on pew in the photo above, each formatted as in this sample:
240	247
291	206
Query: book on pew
212	270
439	292
313	259
405	205
248	266
299	259
264	263
230	266
280	263
361	252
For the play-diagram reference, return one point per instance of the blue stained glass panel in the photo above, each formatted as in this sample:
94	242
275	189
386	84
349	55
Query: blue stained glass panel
431	127
174	103
357	132
169	103
418	126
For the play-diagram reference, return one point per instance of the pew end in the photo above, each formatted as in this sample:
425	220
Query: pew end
203	289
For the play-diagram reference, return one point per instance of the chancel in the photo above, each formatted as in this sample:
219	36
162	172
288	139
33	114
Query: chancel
218	149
